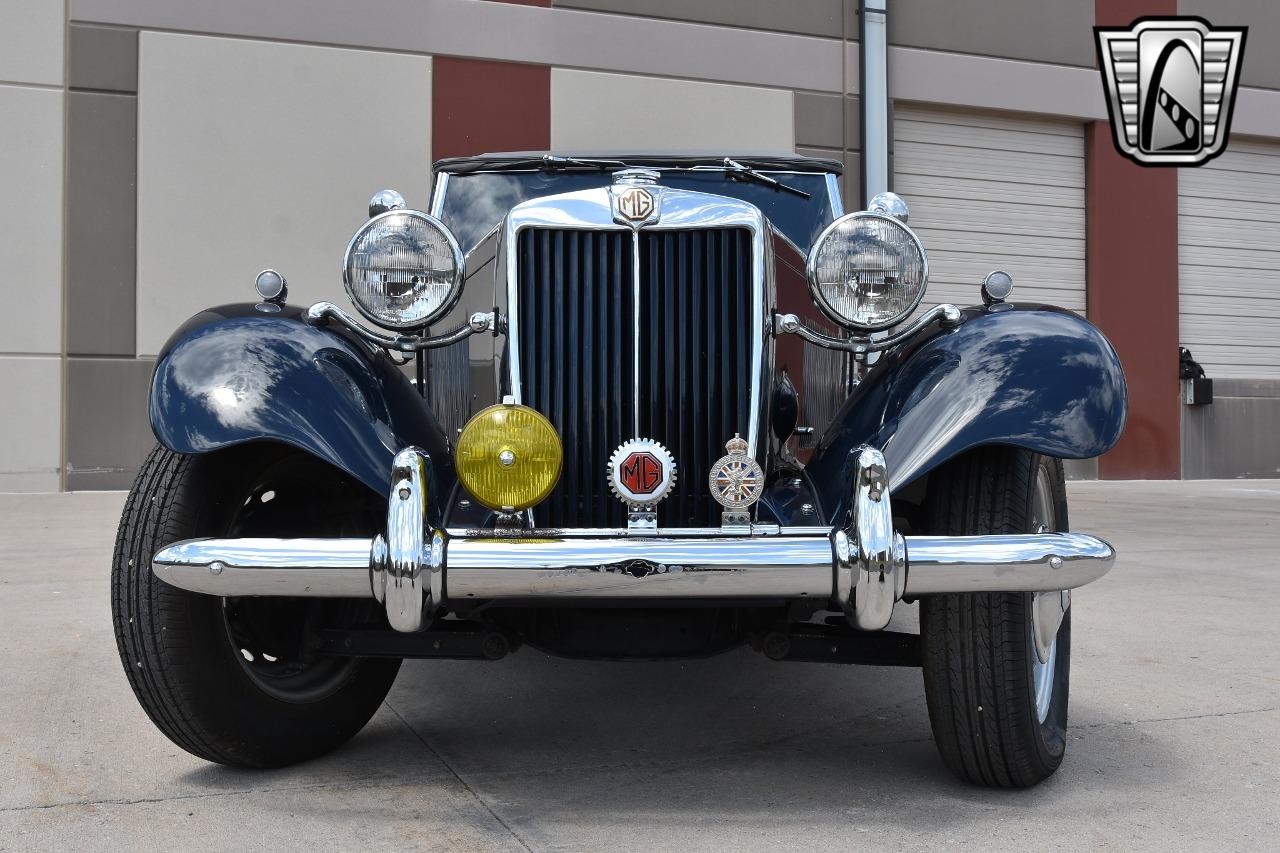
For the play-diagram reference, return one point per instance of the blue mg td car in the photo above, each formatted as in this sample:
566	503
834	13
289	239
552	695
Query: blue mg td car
614	407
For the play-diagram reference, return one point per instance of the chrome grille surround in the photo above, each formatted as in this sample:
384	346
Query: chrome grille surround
680	210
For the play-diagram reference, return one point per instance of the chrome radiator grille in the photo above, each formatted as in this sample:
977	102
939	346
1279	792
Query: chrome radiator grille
608	355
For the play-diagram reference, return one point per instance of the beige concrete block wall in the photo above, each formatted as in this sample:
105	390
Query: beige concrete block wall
30	423
31	217
31	41
31	287
259	154
593	110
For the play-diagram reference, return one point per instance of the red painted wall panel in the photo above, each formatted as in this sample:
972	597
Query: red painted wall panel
1121	13
1132	268
1132	272
479	105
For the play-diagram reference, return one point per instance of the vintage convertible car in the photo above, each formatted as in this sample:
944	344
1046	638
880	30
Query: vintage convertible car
619	407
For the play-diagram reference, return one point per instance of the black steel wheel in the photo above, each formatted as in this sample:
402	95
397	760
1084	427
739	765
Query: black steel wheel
997	666
238	680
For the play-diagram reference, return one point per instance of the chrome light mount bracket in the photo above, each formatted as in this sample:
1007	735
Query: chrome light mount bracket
641	522
323	313
641	473
736	482
406	566
871	557
945	315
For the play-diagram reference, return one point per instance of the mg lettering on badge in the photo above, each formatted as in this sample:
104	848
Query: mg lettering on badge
635	204
642	473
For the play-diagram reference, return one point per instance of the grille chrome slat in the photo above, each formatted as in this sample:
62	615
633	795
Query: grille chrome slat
679	367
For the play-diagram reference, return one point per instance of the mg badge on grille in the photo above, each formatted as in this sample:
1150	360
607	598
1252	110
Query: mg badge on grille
736	482
635	203
635	197
641	472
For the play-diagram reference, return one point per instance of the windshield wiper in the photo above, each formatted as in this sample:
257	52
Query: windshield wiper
737	171
556	163
543	163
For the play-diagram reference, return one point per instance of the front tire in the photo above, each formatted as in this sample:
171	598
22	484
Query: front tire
236	681
998	698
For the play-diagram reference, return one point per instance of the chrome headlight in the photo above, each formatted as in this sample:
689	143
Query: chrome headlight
867	271
403	269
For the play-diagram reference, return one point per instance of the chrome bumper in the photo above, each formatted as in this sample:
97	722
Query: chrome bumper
414	569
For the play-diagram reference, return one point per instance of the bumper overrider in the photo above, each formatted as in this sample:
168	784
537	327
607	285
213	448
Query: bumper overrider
414	569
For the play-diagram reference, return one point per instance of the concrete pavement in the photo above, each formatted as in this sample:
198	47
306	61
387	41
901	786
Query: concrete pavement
1174	744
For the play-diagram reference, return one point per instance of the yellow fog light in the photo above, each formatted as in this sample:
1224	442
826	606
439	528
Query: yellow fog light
509	457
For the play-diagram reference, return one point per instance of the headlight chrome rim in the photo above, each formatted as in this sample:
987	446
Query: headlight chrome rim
821	301
455	286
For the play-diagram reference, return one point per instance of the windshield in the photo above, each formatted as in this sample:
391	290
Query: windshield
474	203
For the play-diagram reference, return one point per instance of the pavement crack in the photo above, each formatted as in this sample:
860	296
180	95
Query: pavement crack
204	795
456	775
1175	719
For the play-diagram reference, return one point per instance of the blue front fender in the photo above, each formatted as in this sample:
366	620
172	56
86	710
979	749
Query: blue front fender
1026	375
233	374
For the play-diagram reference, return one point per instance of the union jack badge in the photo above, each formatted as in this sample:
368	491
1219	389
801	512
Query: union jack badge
1170	86
736	482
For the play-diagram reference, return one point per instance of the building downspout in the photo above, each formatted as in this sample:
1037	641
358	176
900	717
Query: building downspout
873	43
873	36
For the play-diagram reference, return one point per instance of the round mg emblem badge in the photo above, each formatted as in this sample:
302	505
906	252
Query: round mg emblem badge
641	472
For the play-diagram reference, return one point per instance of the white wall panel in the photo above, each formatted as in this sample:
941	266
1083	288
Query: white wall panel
255	154
597	111
1228	257
31	218
30	424
994	192
31	39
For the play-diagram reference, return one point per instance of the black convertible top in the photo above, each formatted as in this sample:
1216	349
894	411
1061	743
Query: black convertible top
524	160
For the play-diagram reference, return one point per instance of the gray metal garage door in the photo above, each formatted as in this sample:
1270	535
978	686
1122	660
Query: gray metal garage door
1228	257
994	192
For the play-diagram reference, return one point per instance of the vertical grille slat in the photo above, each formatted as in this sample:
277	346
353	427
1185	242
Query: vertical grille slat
577	357
678	401
725	368
702	449
587	418
652	325
601	404
573	413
